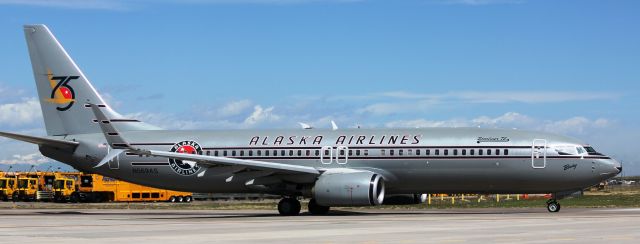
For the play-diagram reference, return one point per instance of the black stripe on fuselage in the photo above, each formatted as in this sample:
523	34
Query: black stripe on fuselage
149	163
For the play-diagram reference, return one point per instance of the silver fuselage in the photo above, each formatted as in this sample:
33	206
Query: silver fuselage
512	161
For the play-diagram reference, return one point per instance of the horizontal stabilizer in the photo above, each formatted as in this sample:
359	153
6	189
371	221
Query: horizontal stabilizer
41	141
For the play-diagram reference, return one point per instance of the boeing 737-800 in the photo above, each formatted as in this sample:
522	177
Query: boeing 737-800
344	167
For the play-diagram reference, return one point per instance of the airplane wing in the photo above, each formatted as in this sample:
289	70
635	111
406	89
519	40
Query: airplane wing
42	141
216	161
120	145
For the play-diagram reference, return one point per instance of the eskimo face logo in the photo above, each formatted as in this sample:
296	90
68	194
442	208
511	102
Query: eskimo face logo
185	167
61	92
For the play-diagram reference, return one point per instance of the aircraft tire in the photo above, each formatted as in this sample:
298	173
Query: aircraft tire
553	206
316	209
289	207
188	199
180	199
172	199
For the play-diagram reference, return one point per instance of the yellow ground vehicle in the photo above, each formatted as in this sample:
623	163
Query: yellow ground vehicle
63	189
7	187
27	189
98	188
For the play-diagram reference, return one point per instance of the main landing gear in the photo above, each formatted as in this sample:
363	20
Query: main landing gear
316	209
289	206
553	206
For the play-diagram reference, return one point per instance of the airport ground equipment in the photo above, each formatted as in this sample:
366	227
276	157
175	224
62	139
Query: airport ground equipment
8	185
98	188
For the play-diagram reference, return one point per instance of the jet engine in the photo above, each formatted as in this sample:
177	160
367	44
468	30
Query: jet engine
349	188
405	199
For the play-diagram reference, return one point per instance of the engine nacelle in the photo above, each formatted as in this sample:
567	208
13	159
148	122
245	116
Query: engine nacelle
351	188
405	199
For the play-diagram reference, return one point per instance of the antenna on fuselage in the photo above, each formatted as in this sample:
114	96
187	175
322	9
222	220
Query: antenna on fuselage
305	126
334	126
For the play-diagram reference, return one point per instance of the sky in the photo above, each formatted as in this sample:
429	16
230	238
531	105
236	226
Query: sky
570	67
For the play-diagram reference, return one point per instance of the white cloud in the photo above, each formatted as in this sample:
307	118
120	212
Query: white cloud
24	112
260	115
32	158
234	108
575	125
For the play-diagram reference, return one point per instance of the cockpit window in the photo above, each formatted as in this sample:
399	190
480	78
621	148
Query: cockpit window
591	151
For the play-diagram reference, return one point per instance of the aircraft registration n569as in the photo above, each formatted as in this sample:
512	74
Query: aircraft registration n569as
344	167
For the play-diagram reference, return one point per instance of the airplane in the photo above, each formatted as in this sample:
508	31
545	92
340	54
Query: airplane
330	167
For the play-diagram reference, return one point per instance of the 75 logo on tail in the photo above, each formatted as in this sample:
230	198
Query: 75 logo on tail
62	93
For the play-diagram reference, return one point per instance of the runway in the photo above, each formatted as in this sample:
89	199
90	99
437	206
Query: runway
362	226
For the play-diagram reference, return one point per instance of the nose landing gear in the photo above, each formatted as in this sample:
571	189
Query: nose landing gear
553	206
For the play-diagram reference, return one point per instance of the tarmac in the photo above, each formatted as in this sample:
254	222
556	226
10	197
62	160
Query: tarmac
518	225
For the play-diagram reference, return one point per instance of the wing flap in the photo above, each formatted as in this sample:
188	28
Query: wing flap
41	141
253	164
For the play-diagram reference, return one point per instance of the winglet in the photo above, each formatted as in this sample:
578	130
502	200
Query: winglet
110	133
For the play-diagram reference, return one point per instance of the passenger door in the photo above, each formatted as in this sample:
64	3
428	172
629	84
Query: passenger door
539	153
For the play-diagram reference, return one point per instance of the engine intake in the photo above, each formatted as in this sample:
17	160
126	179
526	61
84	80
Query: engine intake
356	188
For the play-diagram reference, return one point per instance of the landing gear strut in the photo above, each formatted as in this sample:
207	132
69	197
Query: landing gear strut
289	206
553	206
316	209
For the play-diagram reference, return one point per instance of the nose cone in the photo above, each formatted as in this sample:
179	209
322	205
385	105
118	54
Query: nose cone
618	166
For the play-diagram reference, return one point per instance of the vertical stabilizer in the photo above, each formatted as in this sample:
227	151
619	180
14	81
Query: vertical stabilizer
64	91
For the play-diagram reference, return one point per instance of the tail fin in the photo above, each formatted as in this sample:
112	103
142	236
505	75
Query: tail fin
65	93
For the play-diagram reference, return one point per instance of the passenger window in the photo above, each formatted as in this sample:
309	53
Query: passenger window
326	152
275	153
488	152
391	152
146	195
410	152
299	153
417	152
428	152
155	195
250	153
464	152
446	152
342	152
259	153
383	152
135	195
472	152
224	153
437	152
233	153
241	153
208	153
350	152
282	153
215	153
506	152
357	152
455	152
480	152
497	151
366	152
290	152
400	152
308	153
266	152
317	152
